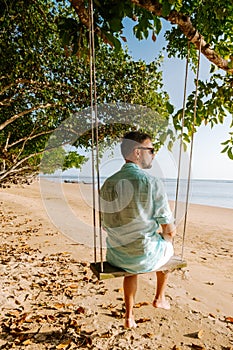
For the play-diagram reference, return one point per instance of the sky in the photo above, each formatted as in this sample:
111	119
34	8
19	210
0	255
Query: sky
207	162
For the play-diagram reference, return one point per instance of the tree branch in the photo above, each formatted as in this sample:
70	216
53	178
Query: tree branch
82	12
13	169
21	114
28	138
185	25
18	81
36	83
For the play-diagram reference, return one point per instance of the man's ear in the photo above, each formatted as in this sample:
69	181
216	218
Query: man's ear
136	153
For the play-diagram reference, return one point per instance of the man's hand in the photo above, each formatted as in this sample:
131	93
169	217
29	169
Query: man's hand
168	231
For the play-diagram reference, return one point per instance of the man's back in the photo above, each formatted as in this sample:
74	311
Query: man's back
133	205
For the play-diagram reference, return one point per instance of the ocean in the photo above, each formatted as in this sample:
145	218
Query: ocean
217	193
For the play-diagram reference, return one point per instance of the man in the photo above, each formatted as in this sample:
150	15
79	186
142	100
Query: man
134	209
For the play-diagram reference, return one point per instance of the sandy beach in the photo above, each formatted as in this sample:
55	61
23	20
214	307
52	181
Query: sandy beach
50	299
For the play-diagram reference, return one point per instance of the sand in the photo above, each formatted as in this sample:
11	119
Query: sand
50	299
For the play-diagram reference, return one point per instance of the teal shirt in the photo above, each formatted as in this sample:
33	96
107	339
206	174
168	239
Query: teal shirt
133	205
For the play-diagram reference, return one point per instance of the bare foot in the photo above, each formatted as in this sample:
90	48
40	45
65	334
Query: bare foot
162	304
130	323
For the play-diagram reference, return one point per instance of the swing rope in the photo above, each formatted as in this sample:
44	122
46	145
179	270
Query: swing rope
95	138
191	150
182	132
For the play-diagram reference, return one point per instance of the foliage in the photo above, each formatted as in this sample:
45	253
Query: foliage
45	77
228	146
32	100
213	105
213	20
59	158
42	85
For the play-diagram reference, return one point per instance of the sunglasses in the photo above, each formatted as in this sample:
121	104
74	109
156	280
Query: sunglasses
151	149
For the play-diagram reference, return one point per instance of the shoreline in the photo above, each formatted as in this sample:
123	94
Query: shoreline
40	259
202	196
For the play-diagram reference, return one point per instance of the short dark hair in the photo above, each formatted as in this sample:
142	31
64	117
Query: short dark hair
130	140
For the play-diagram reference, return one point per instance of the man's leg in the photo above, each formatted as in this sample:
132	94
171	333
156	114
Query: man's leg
130	288
160	300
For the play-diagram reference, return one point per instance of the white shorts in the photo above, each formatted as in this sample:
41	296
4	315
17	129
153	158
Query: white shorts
168	253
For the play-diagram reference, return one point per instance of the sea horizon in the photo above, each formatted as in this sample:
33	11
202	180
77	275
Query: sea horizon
211	192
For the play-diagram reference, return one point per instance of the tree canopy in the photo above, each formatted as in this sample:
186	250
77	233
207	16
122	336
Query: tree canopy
43	83
45	76
207	25
204	23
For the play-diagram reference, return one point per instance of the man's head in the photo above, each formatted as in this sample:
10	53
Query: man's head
137	147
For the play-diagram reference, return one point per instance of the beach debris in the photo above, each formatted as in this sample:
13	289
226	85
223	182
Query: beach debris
116	314
140	304
175	347
229	319
197	334
64	345
114	311
148	335
200	334
106	334
195	299
198	347
143	319
185	274
27	342
79	310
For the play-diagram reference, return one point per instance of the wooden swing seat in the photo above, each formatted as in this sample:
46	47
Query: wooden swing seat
109	271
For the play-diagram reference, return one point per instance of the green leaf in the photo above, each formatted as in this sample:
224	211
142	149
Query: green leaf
170	145
225	149
230	153
225	142
166	8
113	40
116	24
170	107
157	24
